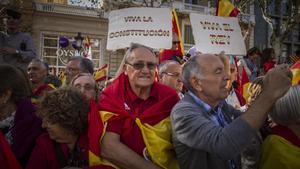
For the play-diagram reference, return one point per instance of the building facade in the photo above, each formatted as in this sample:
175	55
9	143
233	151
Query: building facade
52	20
278	12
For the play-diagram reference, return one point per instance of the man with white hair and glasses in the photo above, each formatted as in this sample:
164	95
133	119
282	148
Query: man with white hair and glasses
137	106
169	73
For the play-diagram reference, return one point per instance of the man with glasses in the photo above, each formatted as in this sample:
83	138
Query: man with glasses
139	107
207	132
16	48
169	73
173	53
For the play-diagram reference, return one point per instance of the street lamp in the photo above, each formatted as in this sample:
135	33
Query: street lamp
78	43
78	40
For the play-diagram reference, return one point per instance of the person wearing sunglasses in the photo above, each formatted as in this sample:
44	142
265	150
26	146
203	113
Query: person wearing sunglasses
169	73
16	48
138	107
173	53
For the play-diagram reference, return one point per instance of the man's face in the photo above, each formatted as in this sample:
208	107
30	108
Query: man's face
213	85
172	77
12	23
72	69
37	72
140	68
87	86
175	42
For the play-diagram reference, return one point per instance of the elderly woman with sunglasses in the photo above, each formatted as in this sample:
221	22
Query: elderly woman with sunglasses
64	113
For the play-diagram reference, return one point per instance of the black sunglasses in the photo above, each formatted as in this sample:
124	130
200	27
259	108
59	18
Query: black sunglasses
141	65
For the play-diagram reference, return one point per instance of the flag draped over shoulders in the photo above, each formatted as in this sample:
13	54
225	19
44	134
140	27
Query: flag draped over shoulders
281	150
154	122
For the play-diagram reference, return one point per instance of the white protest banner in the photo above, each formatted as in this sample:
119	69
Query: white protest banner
214	34
151	27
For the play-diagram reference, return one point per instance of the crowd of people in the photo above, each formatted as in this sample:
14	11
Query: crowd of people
159	111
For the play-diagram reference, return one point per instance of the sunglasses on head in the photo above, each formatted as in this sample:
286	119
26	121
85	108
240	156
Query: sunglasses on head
141	65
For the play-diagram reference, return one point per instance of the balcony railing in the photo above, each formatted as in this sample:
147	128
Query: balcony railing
69	10
188	8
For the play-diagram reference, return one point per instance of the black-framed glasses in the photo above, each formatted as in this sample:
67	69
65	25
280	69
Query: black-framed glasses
141	65
176	42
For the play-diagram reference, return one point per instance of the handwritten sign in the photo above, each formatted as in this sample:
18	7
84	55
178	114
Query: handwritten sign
214	34
151	27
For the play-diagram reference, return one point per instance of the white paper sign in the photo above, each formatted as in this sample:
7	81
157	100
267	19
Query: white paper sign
214	34
151	27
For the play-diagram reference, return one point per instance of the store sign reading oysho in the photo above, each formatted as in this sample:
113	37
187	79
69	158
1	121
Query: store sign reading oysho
215	34
151	27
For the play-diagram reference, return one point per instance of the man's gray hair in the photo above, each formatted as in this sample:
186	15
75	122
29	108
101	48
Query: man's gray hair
134	46
192	68
286	110
164	65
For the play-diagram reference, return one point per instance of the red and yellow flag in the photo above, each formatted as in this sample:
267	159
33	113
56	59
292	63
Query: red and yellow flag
226	8
296	73
176	29
101	73
244	84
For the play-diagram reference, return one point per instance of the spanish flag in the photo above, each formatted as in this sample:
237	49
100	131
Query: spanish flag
62	77
244	84
296	73
7	157
226	8
101	73
176	29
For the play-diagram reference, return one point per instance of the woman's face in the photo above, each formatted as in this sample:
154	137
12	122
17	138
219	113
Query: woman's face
4	105
56	131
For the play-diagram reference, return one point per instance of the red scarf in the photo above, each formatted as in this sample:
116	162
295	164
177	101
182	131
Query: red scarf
287	134
112	99
7	158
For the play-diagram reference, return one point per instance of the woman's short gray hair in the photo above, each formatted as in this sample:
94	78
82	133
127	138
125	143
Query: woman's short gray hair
190	69
286	110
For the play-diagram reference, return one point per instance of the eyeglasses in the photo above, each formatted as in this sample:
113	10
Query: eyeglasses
176	42
141	65
86	87
175	74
